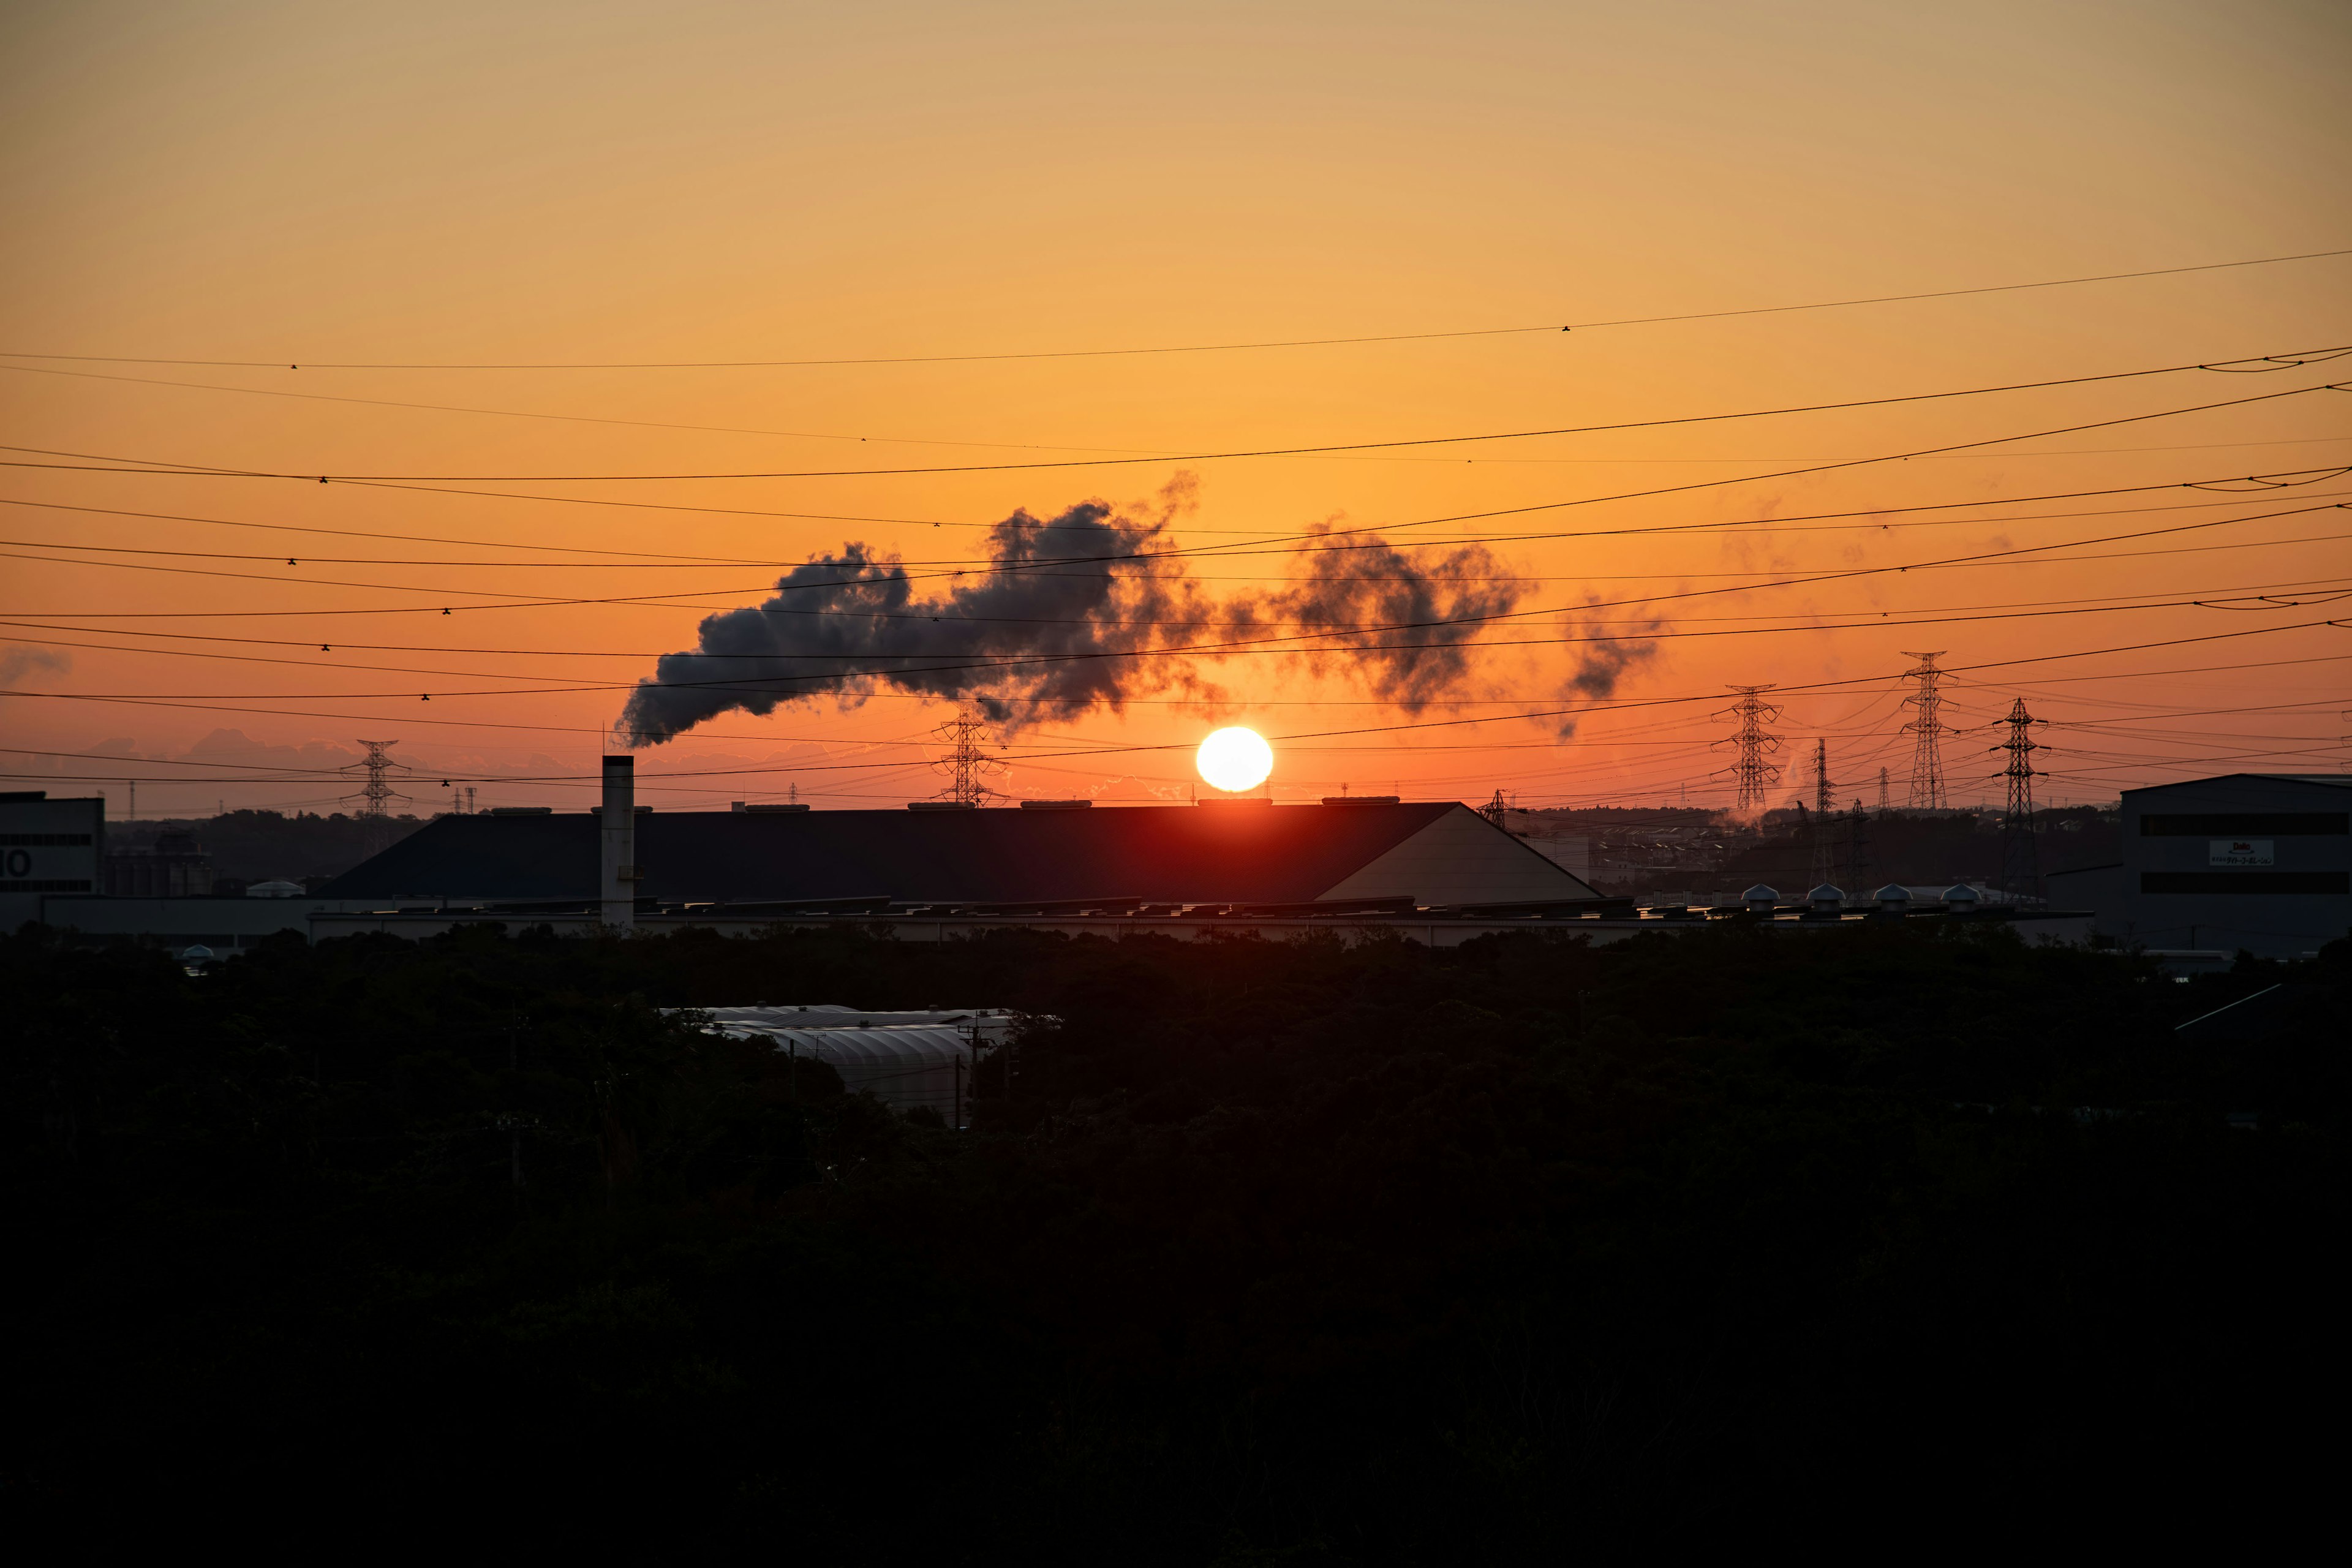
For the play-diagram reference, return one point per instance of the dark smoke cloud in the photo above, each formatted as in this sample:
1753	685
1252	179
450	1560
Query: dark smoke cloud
15	663
1602	663
1093	581
1434	610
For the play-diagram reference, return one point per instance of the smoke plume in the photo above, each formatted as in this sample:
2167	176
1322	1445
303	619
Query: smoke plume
15	663
1605	661
1086	611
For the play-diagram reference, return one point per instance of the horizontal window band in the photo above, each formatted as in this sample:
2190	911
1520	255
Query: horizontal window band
2241	882
2245	825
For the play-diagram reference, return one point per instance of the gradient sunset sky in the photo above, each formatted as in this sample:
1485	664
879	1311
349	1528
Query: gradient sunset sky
248	187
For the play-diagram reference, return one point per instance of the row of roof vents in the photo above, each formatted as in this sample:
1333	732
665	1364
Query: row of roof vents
1894	897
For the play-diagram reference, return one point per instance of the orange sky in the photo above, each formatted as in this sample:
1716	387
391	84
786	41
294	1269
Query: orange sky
580	183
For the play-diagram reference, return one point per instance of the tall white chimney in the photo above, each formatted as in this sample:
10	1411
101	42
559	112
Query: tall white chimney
617	887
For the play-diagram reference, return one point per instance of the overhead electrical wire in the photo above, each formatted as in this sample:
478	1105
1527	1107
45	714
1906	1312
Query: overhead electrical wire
1129	453
1643	629
2263	363
1875	517
294	363
1580	711
708	562
1325	542
1275	644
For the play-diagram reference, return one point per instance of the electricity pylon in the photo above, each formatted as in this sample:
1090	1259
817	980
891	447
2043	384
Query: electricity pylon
2020	851
1883	807
1754	774
376	792
967	763
1824	821
1857	850
1927	756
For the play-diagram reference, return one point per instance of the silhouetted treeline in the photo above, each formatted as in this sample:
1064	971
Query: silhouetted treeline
1265	1253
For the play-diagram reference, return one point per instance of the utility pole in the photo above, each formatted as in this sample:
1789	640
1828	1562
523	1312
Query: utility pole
1824	822
1927	756
967	763
2020	851
1754	774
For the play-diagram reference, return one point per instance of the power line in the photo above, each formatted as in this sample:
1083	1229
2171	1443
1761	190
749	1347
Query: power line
1237	646
1586	709
293	362
2261	363
649	562
1800	522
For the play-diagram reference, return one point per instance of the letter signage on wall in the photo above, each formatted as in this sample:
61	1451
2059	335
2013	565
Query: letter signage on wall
2240	852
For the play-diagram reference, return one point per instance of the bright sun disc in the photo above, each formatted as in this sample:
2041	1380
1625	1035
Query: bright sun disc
1235	759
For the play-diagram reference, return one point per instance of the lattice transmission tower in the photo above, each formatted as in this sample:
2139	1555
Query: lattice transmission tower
2021	849
1883	807
1857	850
1927	755
1825	823
1754	775
373	794
967	763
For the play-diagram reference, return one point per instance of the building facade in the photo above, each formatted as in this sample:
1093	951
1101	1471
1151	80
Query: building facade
47	846
2261	862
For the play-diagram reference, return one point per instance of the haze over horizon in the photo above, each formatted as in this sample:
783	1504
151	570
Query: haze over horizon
892	261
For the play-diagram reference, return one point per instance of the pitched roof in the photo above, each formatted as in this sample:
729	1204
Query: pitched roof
1178	854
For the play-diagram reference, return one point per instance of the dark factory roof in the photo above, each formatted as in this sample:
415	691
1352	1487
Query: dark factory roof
1180	854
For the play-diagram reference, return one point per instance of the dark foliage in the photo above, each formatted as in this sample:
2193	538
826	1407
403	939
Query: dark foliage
1263	1253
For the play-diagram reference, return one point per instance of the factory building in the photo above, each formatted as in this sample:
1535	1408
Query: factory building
2261	862
1357	849
47	846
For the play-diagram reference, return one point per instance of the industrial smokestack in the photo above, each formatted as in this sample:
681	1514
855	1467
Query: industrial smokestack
617	887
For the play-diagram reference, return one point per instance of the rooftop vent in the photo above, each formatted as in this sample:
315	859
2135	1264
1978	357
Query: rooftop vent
768	809
1961	898
1894	897
1761	899
1826	899
1363	800
1056	805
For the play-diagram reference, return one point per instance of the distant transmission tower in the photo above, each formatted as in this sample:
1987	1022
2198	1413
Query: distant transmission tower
2020	851
967	763
1857	850
1883	807
376	792
1755	775
1824	821
1927	756
1494	810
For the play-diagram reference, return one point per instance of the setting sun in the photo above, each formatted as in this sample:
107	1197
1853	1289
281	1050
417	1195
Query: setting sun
1235	759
